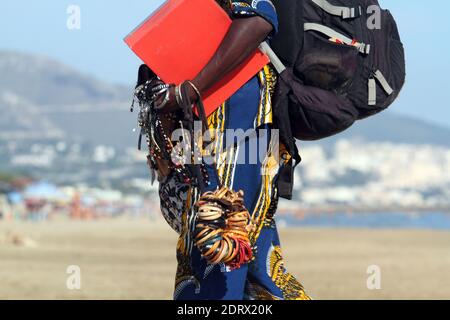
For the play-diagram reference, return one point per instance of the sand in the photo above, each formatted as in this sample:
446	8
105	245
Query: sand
124	259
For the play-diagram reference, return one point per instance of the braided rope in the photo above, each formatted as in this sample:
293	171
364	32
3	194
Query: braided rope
222	228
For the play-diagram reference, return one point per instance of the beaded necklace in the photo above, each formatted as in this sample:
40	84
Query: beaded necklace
160	145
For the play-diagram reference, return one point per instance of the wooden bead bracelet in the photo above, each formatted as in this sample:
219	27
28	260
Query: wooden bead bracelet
222	228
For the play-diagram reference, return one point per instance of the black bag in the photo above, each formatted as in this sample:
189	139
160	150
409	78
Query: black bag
324	86
331	85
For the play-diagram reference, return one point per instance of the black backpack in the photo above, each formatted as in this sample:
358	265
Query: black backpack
325	86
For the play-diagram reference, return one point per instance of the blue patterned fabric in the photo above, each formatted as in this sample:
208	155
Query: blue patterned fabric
263	8
265	277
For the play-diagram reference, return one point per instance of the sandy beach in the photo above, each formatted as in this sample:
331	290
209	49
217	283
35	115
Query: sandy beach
124	259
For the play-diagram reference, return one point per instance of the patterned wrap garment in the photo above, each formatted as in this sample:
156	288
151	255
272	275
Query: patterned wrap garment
250	110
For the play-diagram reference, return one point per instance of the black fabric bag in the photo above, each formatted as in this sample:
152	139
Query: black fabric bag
339	61
338	83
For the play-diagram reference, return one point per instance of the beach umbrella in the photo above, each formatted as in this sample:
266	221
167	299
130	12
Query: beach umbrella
43	191
14	197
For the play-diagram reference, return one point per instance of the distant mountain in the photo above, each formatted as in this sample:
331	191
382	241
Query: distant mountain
46	82
22	119
43	99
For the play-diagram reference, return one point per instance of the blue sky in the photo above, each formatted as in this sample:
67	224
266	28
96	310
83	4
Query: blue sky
97	48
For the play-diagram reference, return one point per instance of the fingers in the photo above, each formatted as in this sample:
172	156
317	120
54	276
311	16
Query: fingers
155	92
165	101
158	89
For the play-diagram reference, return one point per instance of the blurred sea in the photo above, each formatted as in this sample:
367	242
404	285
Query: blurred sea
383	220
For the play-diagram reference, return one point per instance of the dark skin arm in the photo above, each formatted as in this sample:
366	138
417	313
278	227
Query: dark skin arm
242	39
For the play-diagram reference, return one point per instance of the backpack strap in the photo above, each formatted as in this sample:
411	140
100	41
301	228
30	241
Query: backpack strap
343	12
276	62
378	75
362	47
